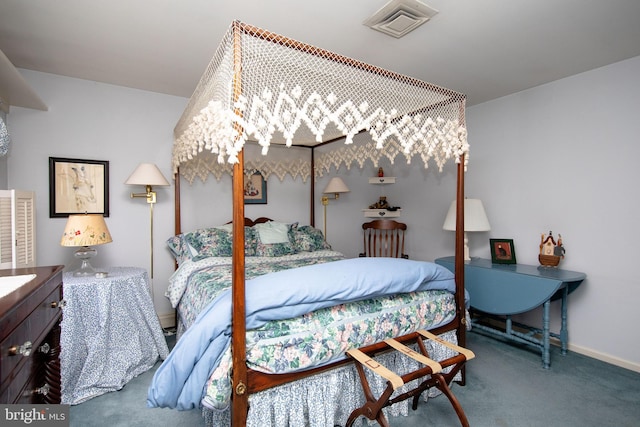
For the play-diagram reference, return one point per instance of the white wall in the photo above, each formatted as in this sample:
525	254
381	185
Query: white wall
558	157
563	157
423	194
88	120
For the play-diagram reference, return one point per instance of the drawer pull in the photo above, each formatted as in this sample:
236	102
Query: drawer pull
24	349
44	390
58	304
44	348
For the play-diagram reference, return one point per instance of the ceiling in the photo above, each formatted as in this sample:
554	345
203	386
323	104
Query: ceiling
485	49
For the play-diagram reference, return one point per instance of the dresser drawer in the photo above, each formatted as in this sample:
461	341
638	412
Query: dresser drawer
38	379
28	316
32	330
381	213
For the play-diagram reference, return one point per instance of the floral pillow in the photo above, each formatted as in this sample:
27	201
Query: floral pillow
210	242
250	241
308	239
249	238
180	249
274	239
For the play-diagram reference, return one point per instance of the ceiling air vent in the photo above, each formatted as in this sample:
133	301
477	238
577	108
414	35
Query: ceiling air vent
399	17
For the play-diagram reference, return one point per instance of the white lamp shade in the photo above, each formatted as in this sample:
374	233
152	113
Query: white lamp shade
147	174
85	230
475	218
336	185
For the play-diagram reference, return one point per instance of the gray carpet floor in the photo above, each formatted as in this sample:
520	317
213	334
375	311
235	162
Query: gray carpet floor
506	386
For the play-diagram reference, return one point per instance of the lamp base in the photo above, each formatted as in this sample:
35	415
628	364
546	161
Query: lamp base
466	247
84	253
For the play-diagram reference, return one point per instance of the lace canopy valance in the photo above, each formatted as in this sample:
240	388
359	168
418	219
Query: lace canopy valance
266	88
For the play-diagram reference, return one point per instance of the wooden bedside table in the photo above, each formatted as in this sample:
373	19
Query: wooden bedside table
507	289
110	333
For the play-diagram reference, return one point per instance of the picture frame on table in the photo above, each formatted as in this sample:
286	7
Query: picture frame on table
502	251
78	186
255	189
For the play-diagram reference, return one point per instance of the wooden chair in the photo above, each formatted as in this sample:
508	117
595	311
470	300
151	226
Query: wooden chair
384	238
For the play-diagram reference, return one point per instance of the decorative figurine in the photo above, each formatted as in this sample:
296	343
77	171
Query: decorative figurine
550	252
383	204
380	172
380	204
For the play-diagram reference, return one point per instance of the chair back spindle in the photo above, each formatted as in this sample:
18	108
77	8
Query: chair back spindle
384	238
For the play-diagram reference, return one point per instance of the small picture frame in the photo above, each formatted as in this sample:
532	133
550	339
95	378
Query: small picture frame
502	251
78	186
255	189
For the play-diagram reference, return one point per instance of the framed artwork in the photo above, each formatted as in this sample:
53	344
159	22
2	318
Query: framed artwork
78	186
255	190
502	251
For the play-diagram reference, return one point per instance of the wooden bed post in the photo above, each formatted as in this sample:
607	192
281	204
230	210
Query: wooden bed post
177	227
239	394
312	202
459	260
176	202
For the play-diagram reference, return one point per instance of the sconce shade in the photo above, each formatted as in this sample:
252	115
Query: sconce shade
147	174
475	218
85	230
336	185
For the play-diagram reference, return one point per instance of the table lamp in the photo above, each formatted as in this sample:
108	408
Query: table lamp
84	231
475	219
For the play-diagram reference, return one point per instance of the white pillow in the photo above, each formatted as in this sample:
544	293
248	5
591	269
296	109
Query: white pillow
225	227
273	232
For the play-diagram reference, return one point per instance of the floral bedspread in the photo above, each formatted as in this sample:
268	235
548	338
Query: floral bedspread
303	317
325	335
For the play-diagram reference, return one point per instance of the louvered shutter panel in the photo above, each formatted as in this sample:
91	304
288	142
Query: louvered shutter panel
6	229
17	229
25	254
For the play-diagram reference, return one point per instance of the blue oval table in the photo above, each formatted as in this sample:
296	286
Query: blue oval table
504	290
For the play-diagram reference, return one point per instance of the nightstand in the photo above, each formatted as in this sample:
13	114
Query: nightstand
507	289
110	333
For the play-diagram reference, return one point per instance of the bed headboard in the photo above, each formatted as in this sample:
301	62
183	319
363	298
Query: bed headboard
248	222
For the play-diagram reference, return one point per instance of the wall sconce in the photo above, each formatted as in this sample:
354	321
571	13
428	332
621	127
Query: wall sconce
475	219
335	187
148	174
83	231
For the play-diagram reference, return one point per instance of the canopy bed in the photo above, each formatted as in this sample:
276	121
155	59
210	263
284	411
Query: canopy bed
271	90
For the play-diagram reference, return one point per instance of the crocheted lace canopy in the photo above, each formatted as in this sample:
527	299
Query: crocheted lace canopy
270	89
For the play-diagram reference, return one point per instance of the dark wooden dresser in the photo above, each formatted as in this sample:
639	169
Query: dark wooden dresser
30	337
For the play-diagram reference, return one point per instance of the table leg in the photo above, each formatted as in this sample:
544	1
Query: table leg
546	361
564	332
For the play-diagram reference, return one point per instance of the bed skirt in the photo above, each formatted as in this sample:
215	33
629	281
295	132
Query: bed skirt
327	399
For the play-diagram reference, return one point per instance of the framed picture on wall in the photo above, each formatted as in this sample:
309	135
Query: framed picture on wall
255	189
78	186
502	251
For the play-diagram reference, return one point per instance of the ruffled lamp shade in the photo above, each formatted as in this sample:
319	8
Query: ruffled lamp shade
85	231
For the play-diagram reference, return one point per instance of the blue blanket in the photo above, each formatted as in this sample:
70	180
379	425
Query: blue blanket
181	379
